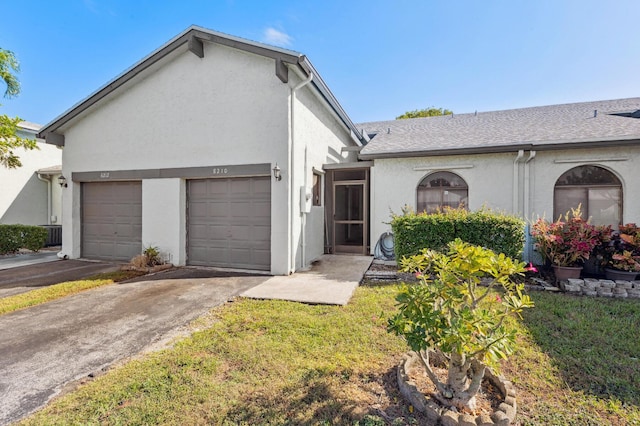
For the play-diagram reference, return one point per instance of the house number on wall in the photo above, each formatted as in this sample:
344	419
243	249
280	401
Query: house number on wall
104	175
220	171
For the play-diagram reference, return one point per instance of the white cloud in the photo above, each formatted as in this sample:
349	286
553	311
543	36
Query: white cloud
275	37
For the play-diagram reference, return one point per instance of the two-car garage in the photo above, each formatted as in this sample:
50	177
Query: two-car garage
228	221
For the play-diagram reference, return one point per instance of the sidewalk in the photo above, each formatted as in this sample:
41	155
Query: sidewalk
15	261
331	280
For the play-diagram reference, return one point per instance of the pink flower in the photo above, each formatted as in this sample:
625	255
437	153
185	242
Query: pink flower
418	275
498	299
531	268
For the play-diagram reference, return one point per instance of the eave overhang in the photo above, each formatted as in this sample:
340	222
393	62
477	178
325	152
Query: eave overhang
497	149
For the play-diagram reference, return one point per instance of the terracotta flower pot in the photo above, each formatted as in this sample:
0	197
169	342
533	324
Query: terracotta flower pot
563	273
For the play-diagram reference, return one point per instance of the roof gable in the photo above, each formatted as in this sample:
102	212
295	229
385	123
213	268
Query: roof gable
192	39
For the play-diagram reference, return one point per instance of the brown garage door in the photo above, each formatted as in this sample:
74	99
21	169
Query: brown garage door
111	220
229	223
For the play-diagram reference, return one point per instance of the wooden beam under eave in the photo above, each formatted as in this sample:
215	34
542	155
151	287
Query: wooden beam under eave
54	139
196	46
282	71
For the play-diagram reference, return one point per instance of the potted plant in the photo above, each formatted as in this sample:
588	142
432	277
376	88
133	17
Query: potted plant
566	244
447	315
622	255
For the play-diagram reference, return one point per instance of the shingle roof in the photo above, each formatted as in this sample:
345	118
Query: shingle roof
545	127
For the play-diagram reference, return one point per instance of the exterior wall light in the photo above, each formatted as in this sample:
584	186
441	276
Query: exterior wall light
276	172
62	181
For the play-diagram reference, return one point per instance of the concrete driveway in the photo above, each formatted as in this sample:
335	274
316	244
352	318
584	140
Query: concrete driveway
47	346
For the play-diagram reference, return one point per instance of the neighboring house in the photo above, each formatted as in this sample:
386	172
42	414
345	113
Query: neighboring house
230	153
31	194
531	162
181	152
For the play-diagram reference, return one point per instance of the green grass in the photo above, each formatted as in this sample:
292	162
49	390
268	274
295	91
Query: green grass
57	291
283	363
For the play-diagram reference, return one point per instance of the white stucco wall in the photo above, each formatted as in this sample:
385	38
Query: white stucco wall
164	217
490	178
228	108
318	140
24	198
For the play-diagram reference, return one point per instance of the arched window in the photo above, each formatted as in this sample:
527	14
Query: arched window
597	189
442	189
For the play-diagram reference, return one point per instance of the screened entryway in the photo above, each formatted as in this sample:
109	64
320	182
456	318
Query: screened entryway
441	189
348	227
595	189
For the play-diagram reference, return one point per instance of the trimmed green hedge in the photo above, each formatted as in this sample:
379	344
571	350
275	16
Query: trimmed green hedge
501	233
15	237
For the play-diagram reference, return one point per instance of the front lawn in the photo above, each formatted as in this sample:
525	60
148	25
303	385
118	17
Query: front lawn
282	363
57	291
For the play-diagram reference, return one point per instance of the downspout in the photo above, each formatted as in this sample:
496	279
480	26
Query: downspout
303	221
527	190
49	208
292	258
516	183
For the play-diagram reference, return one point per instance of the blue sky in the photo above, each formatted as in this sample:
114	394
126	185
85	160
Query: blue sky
380	58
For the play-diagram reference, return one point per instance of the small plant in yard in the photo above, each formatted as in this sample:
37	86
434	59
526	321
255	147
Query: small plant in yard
623	249
451	315
149	257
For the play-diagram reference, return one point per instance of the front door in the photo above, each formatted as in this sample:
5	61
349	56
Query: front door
350	217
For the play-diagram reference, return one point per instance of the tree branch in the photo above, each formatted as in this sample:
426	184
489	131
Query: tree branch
424	357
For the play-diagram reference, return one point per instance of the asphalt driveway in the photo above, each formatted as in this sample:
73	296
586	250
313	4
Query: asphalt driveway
47	346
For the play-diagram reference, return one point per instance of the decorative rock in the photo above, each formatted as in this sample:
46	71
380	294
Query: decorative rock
624	284
591	293
509	410
633	294
449	418
575	281
591	283
484	420
467	420
607	284
500	418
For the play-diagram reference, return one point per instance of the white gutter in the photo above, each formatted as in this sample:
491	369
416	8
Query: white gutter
49	207
292	257
527	189
516	182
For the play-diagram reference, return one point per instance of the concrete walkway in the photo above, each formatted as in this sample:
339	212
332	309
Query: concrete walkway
18	260
331	280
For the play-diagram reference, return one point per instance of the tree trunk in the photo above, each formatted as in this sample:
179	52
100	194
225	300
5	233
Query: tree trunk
462	389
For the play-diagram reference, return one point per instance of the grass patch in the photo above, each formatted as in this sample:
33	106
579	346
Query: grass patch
284	363
57	291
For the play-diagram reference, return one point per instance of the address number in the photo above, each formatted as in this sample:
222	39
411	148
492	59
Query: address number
220	171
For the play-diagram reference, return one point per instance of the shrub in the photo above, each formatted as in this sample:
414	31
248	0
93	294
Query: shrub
498	232
567	242
451	316
15	237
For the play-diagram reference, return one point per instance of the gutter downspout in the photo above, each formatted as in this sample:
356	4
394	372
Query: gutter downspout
516	183
527	178
49	207
292	258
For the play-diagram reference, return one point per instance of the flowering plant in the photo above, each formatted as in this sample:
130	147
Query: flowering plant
623	251
567	242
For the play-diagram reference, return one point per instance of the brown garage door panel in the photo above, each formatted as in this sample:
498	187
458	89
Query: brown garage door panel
111	220
230	223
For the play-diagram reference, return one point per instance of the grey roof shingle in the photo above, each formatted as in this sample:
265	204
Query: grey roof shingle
545	127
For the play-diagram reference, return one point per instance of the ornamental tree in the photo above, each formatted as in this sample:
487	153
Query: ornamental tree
450	313
9	139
